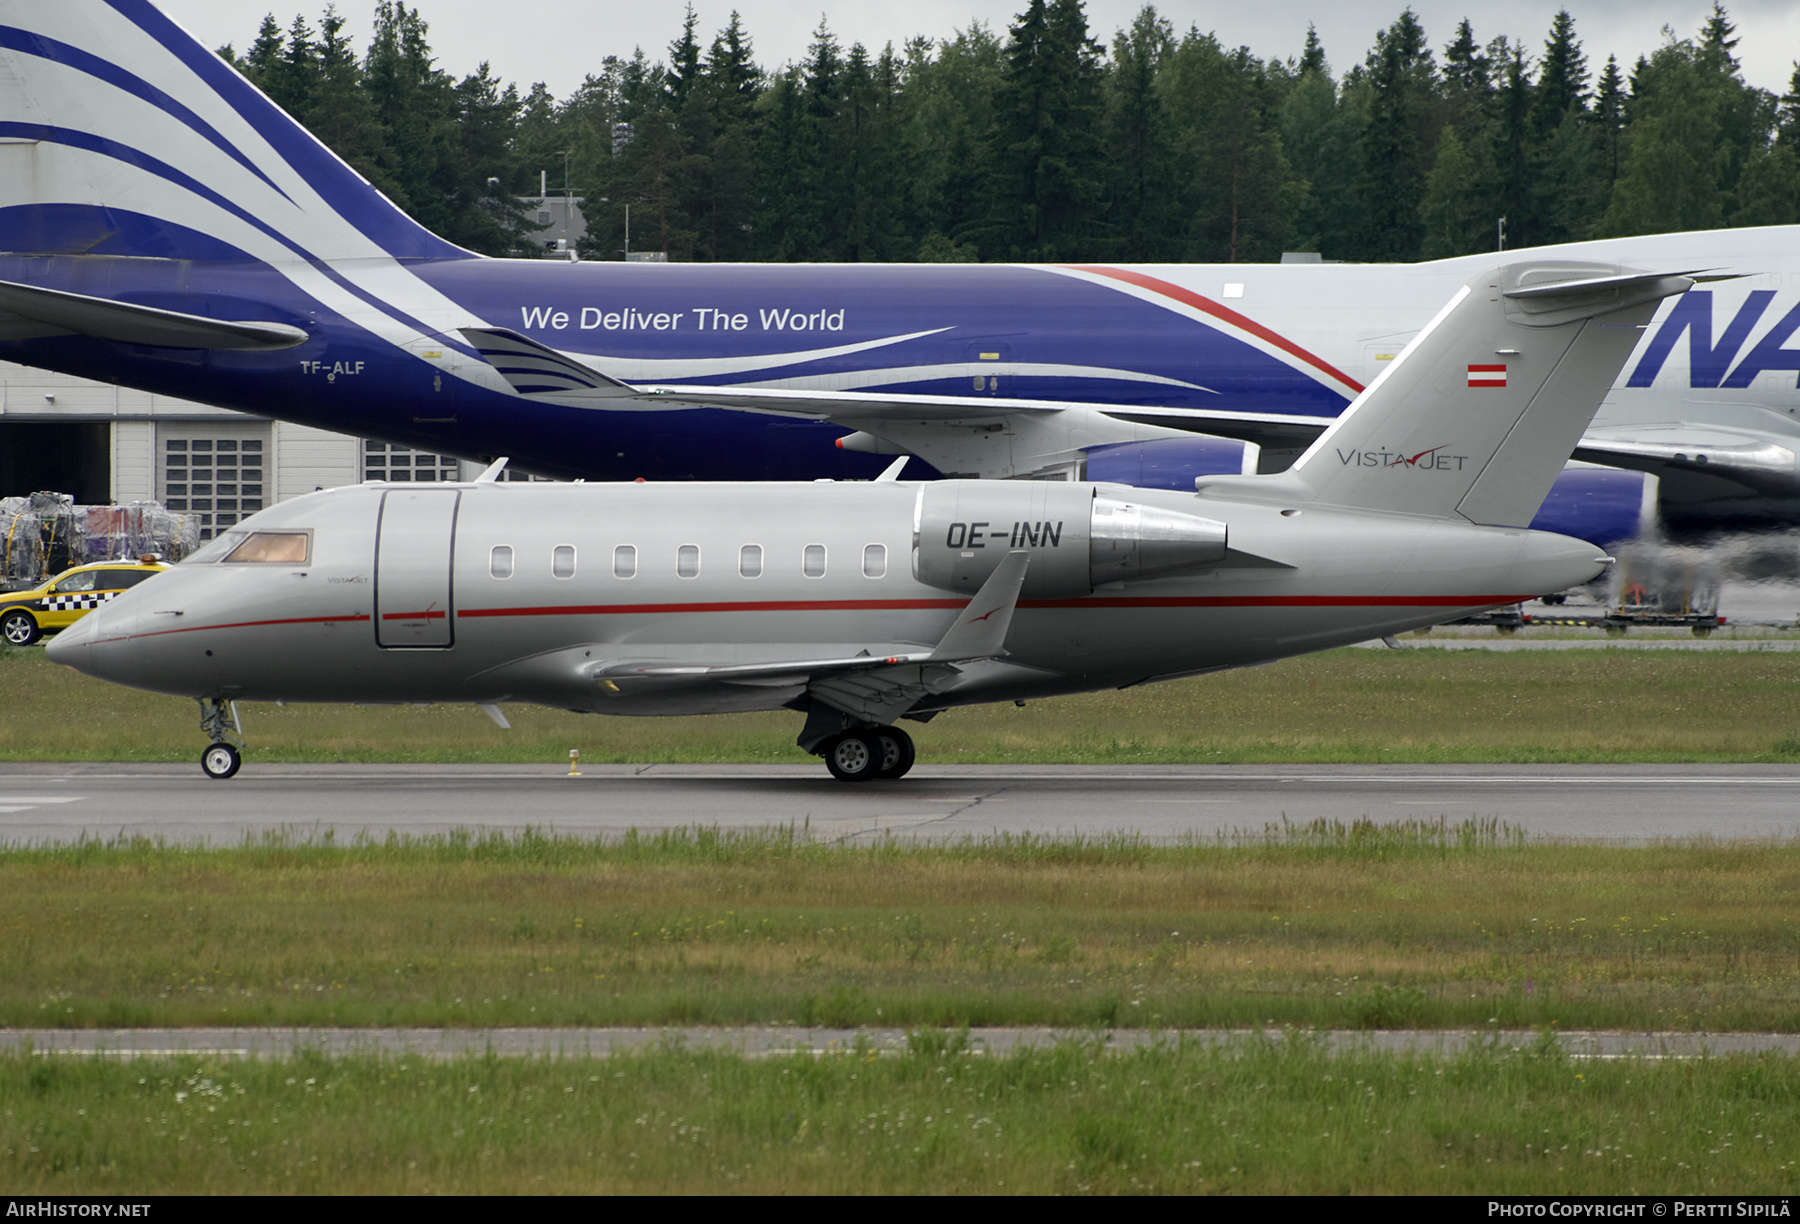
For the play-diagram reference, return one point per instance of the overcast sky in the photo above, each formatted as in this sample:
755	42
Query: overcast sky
560	41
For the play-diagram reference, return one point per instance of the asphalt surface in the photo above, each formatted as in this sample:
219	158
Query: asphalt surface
445	1044
1619	803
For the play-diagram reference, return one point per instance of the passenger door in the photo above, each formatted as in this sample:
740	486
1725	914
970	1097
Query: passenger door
413	551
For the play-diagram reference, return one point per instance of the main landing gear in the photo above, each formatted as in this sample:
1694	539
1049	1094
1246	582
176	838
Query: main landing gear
864	755
218	718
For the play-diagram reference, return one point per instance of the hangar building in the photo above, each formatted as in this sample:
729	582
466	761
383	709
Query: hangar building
103	444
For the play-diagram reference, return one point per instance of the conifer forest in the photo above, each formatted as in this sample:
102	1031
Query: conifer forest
1052	141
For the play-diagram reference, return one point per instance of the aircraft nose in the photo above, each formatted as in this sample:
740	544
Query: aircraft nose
70	647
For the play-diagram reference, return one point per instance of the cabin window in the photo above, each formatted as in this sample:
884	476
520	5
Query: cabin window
750	561
875	561
562	561
500	561
687	561
812	562
273	548
625	561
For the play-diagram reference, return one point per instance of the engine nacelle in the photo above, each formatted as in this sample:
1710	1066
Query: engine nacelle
1079	536
1604	506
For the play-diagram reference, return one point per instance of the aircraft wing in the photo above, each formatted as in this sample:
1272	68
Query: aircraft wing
956	434
29	312
878	687
1700	461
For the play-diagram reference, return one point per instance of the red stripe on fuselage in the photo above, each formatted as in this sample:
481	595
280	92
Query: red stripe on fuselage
912	605
774	605
297	620
1188	297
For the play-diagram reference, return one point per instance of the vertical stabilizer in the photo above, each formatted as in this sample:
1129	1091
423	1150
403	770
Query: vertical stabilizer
1478	414
122	135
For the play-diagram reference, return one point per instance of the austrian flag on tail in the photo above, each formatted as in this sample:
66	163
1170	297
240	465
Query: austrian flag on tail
1487	376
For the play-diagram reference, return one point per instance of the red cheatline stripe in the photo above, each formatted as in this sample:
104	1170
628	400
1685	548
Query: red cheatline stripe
1281	601
778	605
1224	313
907	605
298	620
388	616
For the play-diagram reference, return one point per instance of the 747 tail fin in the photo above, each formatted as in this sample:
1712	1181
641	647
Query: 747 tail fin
121	135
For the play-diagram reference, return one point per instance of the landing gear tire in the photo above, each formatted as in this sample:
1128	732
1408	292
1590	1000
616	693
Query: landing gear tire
19	628
220	761
896	752
854	756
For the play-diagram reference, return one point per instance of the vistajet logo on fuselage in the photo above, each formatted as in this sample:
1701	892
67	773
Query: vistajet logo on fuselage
698	318
1433	460
1710	365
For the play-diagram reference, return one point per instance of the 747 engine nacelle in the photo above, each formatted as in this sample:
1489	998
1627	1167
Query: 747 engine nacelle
1080	536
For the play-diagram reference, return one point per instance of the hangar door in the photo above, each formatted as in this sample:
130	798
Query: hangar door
412	568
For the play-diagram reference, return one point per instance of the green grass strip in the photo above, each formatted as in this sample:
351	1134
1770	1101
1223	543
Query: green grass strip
1247	1117
1428	924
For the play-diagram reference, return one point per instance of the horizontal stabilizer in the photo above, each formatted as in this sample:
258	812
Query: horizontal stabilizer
52	311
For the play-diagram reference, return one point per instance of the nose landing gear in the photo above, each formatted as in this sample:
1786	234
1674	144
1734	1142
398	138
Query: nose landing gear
219	719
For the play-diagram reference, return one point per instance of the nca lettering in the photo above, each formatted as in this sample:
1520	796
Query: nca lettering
1710	364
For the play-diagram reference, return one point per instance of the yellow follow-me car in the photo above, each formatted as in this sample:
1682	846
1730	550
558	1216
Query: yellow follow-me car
25	616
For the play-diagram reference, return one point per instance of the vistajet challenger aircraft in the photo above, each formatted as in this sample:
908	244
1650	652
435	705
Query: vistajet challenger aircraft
164	226
861	603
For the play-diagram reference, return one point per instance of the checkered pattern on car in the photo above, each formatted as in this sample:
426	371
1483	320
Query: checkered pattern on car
77	601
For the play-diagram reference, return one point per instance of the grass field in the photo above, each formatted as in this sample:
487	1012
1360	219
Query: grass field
1252	1117
1321	927
1414	705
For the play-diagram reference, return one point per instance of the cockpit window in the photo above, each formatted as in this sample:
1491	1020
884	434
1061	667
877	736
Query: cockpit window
273	548
216	548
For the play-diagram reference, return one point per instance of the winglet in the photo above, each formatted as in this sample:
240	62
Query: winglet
980	632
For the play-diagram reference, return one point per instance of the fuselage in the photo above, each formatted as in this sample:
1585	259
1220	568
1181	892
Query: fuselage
1290	341
560	595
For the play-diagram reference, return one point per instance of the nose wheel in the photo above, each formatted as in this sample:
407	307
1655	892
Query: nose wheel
862	756
218	718
221	760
